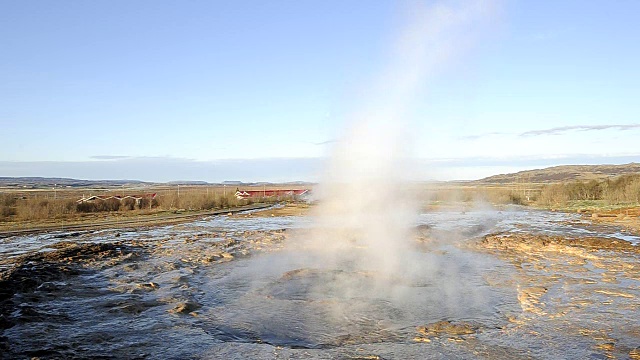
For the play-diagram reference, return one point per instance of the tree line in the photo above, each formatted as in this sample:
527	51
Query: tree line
624	189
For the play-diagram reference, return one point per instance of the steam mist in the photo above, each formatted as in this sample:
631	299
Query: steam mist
357	275
366	212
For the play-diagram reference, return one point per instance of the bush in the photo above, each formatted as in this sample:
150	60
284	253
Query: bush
128	204
223	202
516	199
86	207
8	200
625	189
146	203
99	206
7	206
6	212
622	190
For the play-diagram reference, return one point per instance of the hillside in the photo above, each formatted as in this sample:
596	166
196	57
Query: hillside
48	183
45	182
563	173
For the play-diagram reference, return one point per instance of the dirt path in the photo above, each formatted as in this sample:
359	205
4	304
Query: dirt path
142	220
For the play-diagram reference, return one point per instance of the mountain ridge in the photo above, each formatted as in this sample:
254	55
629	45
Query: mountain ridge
562	173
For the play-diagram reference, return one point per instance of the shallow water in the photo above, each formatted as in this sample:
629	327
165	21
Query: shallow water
228	287
521	219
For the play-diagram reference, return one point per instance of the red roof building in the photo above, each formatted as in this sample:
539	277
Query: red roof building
137	198
245	194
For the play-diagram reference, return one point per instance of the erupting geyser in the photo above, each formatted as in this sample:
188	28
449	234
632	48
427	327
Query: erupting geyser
366	213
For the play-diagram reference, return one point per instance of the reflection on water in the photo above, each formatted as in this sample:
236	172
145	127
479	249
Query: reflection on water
520	219
225	287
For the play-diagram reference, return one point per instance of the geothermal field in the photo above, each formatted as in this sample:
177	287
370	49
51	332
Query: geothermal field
282	93
483	282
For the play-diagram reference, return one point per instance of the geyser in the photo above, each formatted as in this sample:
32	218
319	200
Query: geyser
356	275
366	211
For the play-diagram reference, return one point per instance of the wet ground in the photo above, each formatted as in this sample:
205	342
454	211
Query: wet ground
488	283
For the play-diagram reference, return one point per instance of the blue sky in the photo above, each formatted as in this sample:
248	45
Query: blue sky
257	90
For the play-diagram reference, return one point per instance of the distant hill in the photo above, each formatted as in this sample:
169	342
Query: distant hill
563	173
44	182
188	182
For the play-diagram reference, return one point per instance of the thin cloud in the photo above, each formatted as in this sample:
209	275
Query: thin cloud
531	160
566	129
325	142
479	136
129	158
556	130
109	157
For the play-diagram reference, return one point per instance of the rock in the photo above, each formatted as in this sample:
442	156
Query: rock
217	257
5	323
421	339
447	328
634	354
130	267
149	286
606	346
599	215
63	236
132	307
529	298
48	286
533	243
185	307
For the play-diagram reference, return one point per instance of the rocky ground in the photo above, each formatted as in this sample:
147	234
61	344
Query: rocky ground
586	287
168	294
628	218
85	294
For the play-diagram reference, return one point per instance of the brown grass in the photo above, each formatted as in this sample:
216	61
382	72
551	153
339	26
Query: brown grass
290	209
17	205
613	192
521	194
623	190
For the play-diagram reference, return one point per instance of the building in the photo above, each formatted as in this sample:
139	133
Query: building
136	198
246	194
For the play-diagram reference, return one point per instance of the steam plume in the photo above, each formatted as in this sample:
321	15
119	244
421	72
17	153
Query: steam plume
365	212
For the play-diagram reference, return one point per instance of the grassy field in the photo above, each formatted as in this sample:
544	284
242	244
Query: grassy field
23	208
497	194
611	193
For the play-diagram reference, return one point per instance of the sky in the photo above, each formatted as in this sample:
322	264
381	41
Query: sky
262	90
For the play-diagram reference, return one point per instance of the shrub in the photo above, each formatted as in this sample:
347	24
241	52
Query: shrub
86	207
516	199
622	190
8	200
146	203
6	212
128	204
